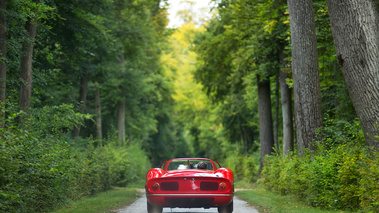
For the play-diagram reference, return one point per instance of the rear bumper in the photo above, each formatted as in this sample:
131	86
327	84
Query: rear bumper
190	200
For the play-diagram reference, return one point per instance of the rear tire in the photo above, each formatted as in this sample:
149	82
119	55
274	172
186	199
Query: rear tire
226	209
153	209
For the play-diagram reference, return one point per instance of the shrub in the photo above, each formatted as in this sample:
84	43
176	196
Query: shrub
344	177
40	170
291	178
127	165
33	172
368	191
244	167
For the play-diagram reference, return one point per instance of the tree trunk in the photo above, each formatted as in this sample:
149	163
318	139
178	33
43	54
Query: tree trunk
3	61
121	121
288	144
285	92
355	27
276	122
26	68
121	107
305	68
82	101
99	130
266	136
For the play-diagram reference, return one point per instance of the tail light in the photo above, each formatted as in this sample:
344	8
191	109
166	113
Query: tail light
222	186
155	186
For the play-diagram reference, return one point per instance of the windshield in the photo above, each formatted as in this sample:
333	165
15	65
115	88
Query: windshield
190	164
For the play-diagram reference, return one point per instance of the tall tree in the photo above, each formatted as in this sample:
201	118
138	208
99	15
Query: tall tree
26	67
286	98
121	105
3	59
99	129
266	136
82	102
276	118
355	28
308	112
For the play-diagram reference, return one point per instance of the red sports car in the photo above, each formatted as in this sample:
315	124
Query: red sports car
190	183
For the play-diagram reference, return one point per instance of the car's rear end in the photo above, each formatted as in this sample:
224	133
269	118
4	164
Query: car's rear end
190	191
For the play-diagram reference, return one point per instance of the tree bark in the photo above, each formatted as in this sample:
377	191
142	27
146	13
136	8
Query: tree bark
3	61
288	144
276	122
266	136
82	101
99	130
285	92
121	107
355	28
307	93
26	68
121	121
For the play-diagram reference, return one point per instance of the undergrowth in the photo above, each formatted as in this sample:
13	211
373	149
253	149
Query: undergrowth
42	168
337	175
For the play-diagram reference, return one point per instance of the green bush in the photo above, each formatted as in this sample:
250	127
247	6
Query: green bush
40	170
33	172
127	165
345	177
244	167
285	180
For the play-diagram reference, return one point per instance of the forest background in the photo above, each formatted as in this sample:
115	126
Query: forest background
95	92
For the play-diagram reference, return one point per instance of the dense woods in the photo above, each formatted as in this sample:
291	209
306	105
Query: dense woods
94	93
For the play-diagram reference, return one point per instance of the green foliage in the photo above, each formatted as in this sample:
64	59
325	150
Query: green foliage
55	119
40	170
242	42
244	167
128	165
202	132
344	177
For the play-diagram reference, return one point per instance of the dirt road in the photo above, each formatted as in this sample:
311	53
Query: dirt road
140	207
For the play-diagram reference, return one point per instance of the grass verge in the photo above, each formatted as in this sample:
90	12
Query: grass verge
269	202
103	202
